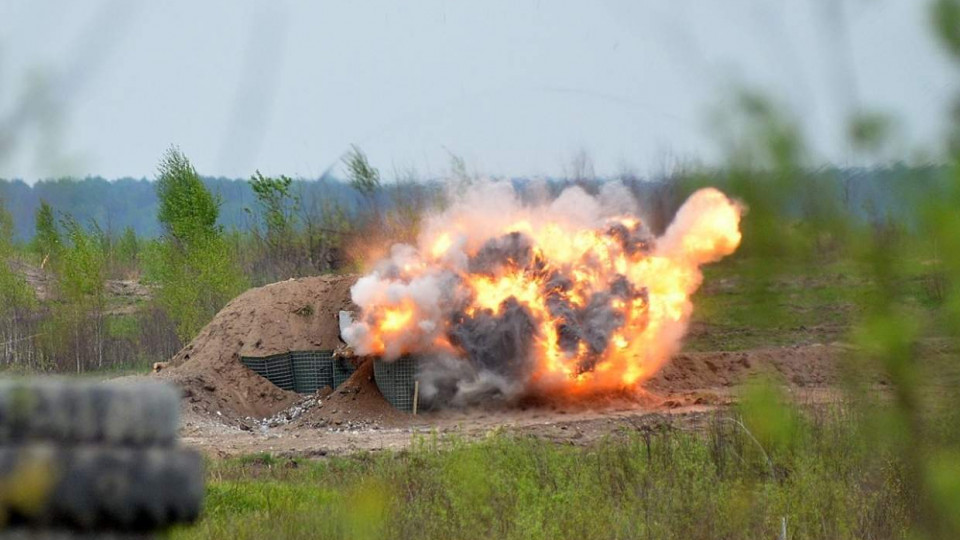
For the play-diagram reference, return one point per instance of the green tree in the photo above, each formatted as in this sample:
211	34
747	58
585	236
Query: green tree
82	280
46	241
125	251
16	296
193	268
187	210
15	293
278	207
364	177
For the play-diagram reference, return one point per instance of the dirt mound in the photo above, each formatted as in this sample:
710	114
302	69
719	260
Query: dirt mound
813	365
301	314
355	403
297	314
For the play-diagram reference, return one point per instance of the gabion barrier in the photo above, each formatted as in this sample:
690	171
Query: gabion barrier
342	370
277	368
396	381
307	371
312	370
301	371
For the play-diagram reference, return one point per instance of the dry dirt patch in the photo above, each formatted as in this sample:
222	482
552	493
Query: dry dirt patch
356	418
229	409
292	315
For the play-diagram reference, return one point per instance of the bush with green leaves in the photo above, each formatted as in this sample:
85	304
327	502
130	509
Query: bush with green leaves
46	240
82	273
279	242
277	208
124	252
15	293
17	301
192	265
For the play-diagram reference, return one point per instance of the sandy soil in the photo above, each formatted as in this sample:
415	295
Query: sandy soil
573	424
228	409
292	315
684	393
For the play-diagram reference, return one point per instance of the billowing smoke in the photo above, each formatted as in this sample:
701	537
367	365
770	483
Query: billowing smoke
571	295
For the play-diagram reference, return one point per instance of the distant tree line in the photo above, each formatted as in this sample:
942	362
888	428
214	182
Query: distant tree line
62	280
127	202
70	248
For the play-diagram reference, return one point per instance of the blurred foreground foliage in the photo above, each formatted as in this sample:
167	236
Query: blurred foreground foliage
907	304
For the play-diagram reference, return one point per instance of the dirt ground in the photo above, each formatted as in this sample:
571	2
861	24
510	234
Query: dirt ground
571	425
293	315
685	393
229	410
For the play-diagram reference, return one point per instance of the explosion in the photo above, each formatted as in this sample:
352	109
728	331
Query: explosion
501	298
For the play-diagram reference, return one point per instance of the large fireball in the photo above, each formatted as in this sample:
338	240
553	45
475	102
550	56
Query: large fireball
571	296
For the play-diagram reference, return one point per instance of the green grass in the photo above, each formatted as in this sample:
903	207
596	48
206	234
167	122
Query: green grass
665	483
742	305
882	465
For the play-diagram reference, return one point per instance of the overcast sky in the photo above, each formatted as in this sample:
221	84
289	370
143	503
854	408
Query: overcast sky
516	87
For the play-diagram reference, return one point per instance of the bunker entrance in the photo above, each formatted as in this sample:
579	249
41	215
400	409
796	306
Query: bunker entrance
305	372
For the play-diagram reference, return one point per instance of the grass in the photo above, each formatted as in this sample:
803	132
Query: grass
662	483
742	305
874	467
739	308
870	468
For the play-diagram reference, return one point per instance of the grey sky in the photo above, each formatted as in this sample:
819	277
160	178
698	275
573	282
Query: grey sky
516	87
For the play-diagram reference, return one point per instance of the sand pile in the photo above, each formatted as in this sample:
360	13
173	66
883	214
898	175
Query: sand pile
297	314
355	403
301	314
806	366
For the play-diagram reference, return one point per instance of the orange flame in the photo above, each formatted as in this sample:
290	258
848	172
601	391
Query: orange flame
705	229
